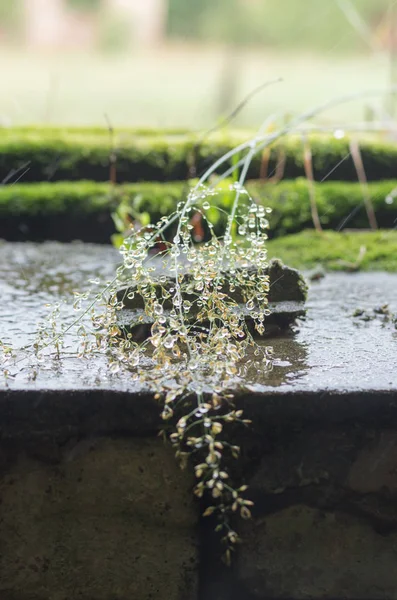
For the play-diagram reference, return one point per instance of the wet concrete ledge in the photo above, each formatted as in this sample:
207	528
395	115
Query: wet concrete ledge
333	367
93	505
30	414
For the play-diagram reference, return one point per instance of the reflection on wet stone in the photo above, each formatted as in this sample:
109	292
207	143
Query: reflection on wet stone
328	350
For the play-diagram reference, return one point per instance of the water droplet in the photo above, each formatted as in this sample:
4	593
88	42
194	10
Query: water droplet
263	223
169	341
176	301
339	134
158	309
134	359
250	305
176	352
206	205
114	367
187	306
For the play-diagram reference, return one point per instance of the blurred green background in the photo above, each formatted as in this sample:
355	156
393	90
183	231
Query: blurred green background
187	63
283	24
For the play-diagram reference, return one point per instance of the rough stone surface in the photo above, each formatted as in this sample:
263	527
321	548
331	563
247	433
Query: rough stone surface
375	469
114	520
346	469
325	516
301	552
300	459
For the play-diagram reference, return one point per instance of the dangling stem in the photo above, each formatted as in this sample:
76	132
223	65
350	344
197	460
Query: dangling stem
308	164
359	166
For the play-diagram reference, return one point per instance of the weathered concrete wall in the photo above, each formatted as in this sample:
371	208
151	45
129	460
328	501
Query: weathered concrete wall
303	552
325	521
111	519
93	505
115	519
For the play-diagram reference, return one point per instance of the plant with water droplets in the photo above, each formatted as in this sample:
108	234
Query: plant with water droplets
192	295
199	306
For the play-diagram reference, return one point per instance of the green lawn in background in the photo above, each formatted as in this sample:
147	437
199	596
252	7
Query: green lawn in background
179	86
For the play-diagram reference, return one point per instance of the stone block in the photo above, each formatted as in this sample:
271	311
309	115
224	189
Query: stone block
301	553
375	469
114	520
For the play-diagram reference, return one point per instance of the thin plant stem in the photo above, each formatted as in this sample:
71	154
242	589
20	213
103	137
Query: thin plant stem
359	166
265	141
226	121
357	22
308	165
280	166
264	169
112	154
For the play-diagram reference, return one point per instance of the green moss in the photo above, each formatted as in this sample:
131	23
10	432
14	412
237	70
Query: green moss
78	130
71	157
43	199
55	154
340	204
82	210
338	251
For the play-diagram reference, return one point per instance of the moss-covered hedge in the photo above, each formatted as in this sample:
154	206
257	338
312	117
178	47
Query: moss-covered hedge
83	210
340	204
55	154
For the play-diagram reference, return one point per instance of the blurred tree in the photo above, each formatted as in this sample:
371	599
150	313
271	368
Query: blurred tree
10	14
114	33
285	24
86	5
186	17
